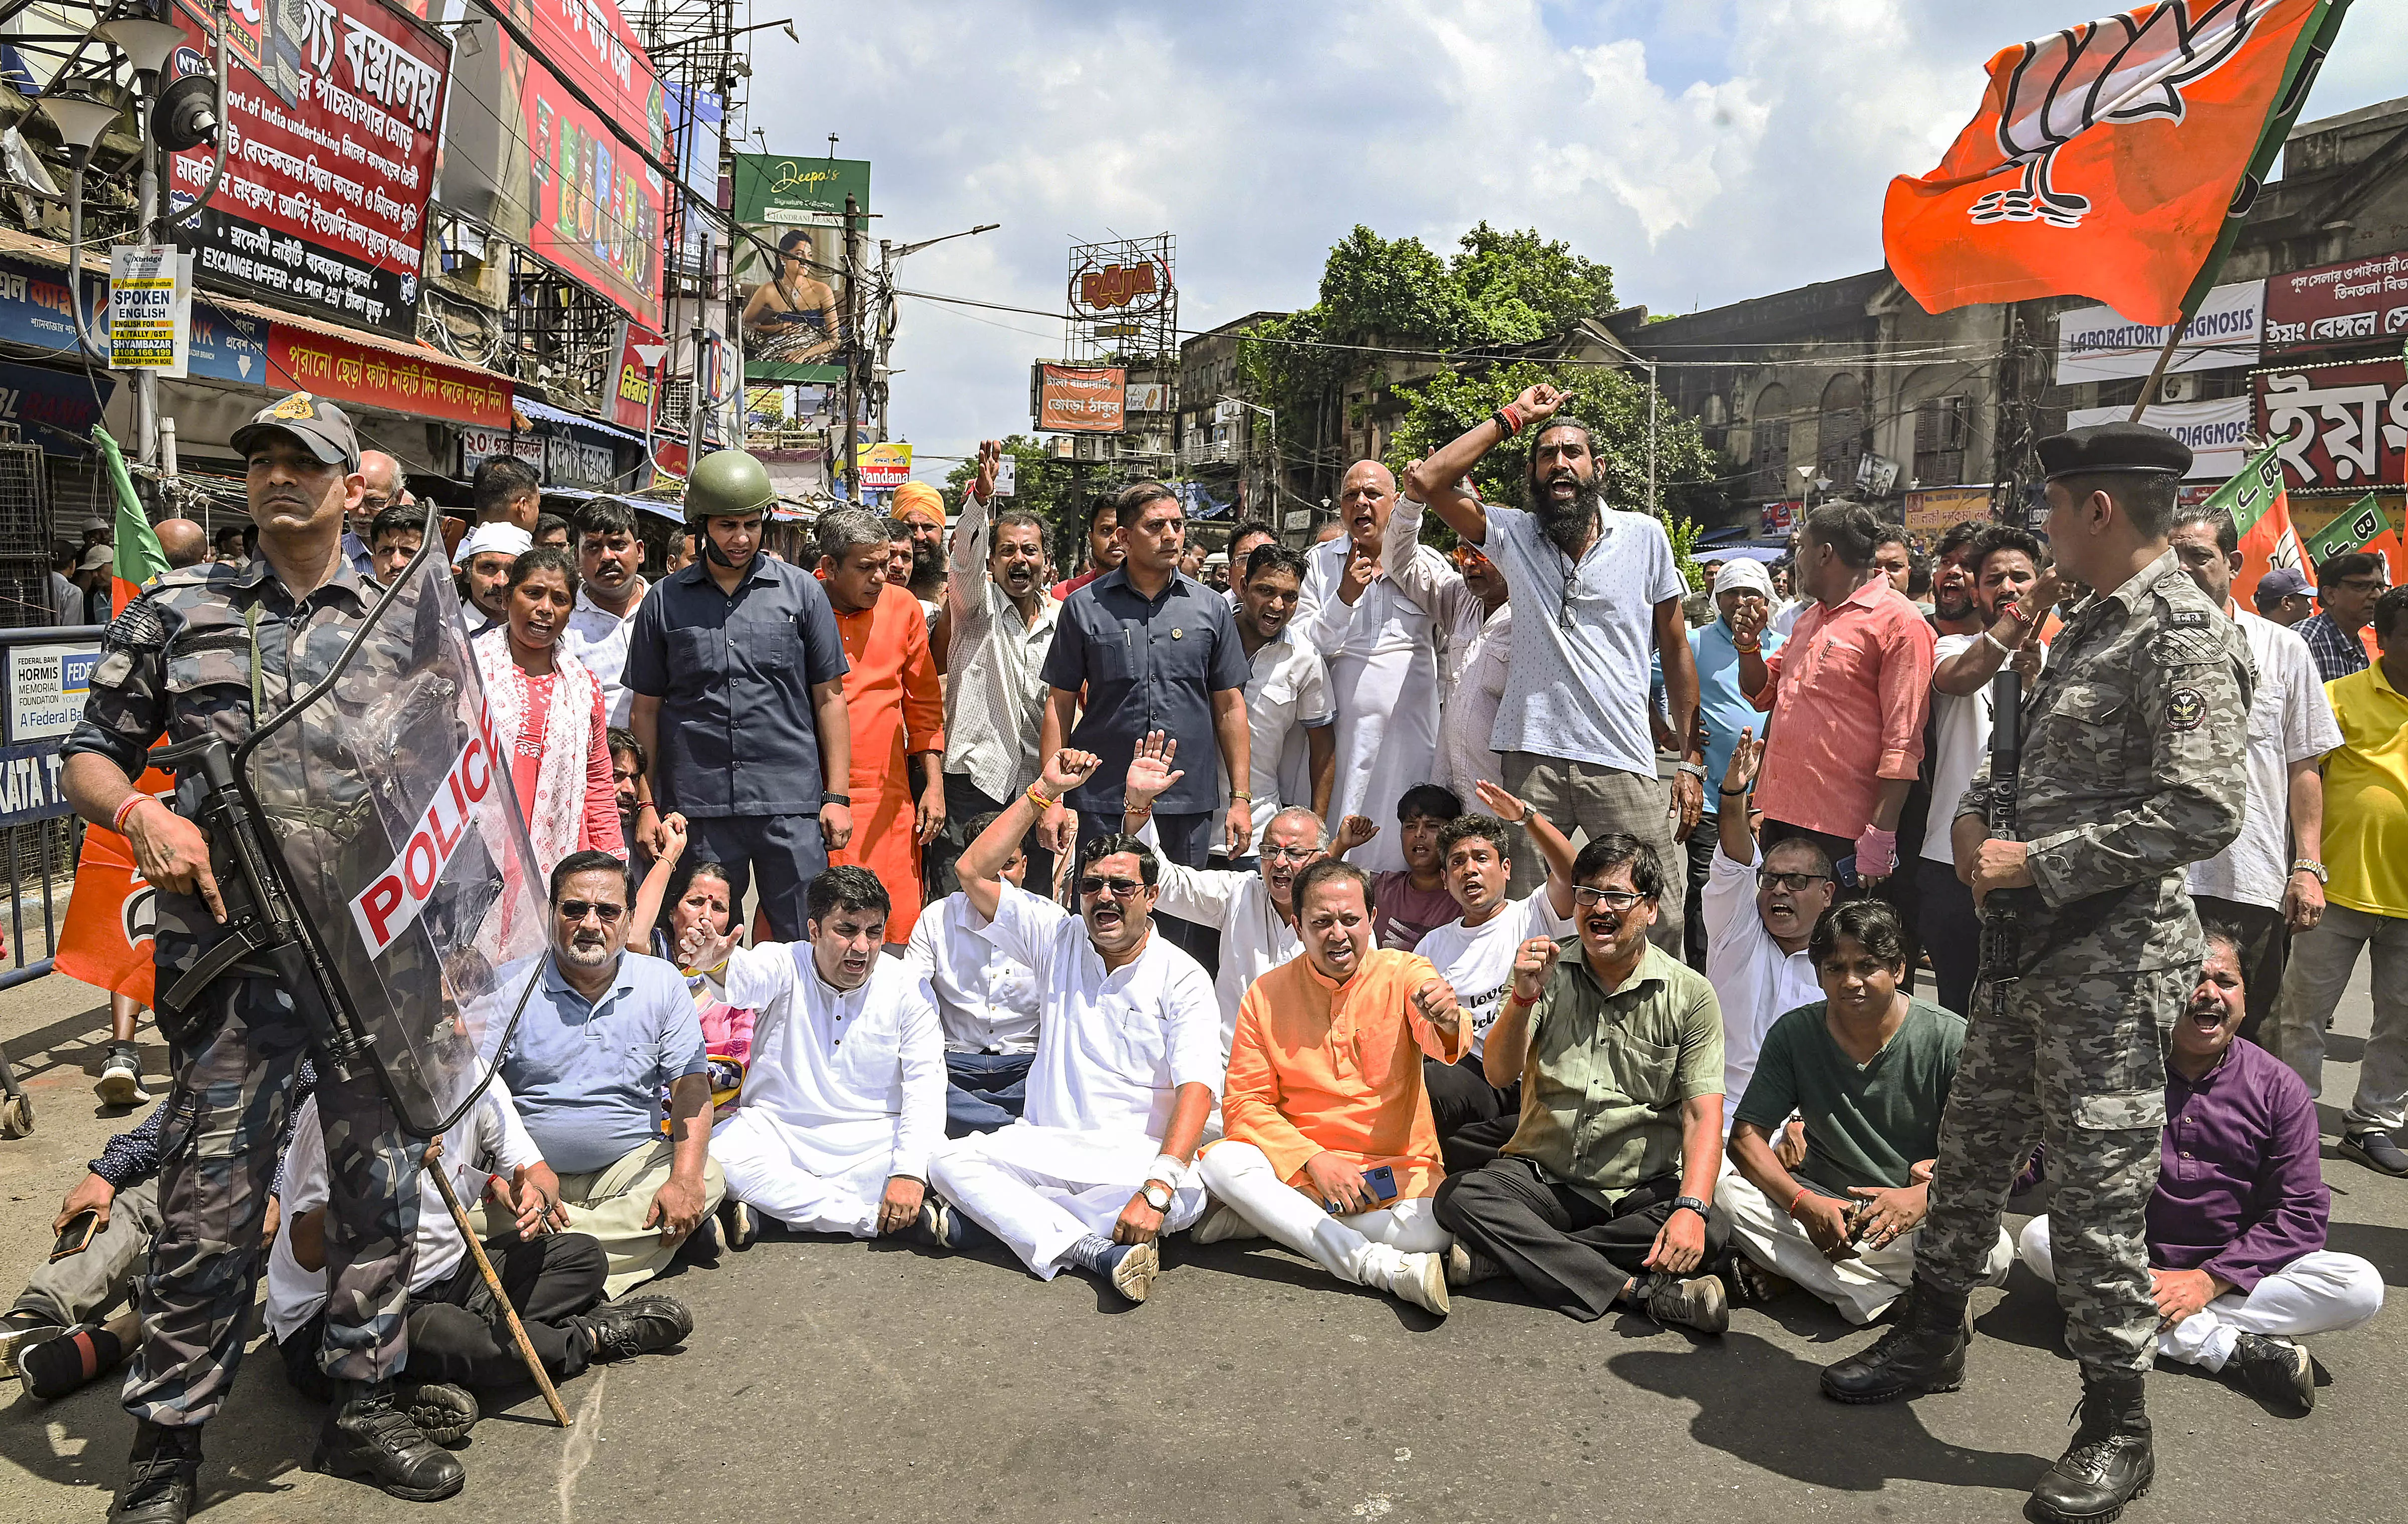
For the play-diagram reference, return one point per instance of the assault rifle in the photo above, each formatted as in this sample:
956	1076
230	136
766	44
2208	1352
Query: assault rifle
2002	918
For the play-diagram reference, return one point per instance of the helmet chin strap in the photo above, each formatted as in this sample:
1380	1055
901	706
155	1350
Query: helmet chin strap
712	553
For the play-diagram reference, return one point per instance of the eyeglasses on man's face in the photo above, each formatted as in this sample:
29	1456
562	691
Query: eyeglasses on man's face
1617	900
1120	888
574	911
1794	882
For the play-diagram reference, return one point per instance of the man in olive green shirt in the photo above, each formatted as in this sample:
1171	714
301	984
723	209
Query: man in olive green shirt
1604	1193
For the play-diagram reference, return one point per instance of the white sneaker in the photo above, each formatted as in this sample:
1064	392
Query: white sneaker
121	1077
1223	1222
1467	1266
1421	1279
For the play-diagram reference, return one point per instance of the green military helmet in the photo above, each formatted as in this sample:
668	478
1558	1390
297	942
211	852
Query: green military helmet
727	483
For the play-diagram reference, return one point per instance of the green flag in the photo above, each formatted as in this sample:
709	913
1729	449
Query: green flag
2353	529
138	555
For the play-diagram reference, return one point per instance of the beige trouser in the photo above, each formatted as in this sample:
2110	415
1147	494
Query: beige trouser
1862	1286
610	1205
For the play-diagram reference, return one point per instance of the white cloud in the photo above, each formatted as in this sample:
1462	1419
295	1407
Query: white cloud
1707	151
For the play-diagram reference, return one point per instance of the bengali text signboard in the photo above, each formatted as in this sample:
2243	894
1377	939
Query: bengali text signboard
1072	400
341	370
2339	428
2348	303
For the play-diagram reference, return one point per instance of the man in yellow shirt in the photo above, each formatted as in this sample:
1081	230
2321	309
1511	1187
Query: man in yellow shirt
2366	897
1330	1147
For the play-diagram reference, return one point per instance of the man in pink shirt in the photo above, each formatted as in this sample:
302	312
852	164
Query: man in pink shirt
1849	693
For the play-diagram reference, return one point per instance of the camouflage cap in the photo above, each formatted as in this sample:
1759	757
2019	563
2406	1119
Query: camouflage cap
322	429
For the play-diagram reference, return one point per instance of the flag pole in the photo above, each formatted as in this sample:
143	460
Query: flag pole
2165	356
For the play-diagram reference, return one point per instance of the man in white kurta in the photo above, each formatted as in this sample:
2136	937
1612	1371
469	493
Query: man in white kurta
1474	626
1382	652
845	1099
1128	1063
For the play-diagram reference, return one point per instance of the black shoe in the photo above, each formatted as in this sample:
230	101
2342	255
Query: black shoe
443	1412
161	1478
739	1226
2376	1151
1923	1352
2110	1463
371	1436
2277	1372
20	1326
633	1326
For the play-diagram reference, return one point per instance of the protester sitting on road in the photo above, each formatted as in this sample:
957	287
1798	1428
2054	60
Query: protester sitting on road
604	1030
1474	954
1760	909
483	564
394	537
547	716
1330	1148
1128	1064
1603	1194
458	1343
1414	897
1254	909
1868	1066
699	907
2238	1220
986	1003
628	786
845	1099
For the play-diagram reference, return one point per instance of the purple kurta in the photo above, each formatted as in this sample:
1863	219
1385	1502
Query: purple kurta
2240	1192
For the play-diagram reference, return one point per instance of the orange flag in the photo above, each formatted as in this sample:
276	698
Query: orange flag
2113	160
2260	507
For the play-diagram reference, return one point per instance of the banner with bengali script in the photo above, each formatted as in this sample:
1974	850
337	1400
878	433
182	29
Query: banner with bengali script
341	370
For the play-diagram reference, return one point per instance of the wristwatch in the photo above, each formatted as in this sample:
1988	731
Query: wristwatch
1157	1196
1692	1203
845	799
1695	770
2309	865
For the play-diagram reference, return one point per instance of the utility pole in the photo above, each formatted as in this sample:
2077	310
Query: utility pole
851	349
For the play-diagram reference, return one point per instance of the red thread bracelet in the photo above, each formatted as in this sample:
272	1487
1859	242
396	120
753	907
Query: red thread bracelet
117	821
1795	1200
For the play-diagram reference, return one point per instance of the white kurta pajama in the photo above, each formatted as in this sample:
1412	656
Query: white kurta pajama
1382	656
1112	1048
846	1090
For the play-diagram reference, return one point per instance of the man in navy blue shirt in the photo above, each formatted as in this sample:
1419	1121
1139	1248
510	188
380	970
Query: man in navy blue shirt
1153	650
739	655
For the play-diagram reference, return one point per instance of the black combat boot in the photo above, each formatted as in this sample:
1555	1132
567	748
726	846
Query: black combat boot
161	1478
371	1435
1924	1351
2110	1461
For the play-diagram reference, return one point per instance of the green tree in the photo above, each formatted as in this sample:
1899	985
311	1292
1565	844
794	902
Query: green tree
1044	484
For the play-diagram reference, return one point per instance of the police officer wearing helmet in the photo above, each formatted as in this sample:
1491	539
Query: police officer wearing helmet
2133	768
221	648
738	673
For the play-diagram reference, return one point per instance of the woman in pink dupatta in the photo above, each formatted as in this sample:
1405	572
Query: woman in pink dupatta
547	715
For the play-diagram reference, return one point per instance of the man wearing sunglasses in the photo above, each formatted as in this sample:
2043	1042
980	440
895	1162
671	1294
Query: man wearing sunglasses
1603	1195
1128	1064
605	1032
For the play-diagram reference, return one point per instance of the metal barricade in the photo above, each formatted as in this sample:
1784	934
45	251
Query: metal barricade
45	673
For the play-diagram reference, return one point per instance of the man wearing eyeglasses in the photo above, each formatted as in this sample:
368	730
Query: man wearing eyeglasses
1604	1194
604	1032
1128	1064
2347	585
382	473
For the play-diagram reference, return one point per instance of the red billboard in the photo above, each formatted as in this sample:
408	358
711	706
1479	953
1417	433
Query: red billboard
2348	303
595	206
2338	427
334	111
632	384
343	371
1071	399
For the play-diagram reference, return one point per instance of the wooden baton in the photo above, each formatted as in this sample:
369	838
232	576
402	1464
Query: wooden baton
493	1284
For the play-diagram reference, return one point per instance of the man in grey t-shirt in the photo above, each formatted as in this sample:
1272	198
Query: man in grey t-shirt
1599	593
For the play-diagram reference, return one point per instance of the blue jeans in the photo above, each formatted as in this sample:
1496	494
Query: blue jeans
984	1092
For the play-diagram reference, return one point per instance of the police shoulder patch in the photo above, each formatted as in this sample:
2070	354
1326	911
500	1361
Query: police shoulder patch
2186	708
2180	645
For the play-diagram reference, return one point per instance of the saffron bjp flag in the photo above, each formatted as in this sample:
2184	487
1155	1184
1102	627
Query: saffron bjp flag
2113	160
106	939
2363	526
2261	511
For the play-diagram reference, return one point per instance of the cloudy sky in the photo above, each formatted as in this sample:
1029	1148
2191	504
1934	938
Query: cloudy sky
1708	150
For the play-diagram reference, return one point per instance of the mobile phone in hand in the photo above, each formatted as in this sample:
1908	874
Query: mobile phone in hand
1381	1181
76	1236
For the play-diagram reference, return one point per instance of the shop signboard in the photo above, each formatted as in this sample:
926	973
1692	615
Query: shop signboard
342	370
883	467
2216	430
2099	344
55	409
335	111
1934	509
2337	427
1074	400
2349	303
789	262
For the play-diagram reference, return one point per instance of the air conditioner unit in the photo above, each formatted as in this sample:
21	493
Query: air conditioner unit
2178	389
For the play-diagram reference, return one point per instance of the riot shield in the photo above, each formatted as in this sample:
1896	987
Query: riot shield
393	826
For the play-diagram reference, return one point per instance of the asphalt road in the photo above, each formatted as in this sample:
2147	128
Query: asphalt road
832	1380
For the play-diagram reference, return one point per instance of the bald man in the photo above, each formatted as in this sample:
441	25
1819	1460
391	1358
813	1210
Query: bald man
182	541
382	474
1382	655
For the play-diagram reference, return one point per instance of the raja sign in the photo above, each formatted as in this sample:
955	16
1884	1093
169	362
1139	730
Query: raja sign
385	909
2099	344
2338	304
333	116
1071	400
2337	427
1134	288
2216	430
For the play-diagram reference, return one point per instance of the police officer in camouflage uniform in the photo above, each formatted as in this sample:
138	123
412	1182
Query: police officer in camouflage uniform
2132	769
220	647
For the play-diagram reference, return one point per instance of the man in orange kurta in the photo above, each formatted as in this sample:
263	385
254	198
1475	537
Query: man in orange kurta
896	703
1330	1148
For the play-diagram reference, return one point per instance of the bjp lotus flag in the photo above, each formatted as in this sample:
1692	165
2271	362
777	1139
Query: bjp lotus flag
107	938
2261	511
2113	160
2361	526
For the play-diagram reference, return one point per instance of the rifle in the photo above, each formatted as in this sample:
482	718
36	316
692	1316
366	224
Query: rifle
262	924
2002	918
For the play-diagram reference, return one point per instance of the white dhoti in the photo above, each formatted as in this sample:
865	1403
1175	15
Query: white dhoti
1042	1189
1862	1286
1382	655
2320	1292
1365	1249
797	1179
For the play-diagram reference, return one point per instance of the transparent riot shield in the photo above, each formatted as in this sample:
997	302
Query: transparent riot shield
390	821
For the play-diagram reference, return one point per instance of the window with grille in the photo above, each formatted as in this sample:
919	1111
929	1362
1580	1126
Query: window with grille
1941	426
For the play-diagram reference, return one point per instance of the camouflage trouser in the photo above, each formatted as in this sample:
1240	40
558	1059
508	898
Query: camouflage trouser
232	1078
2078	1063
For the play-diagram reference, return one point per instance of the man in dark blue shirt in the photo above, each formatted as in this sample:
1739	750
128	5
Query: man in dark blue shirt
1153	650
739	656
